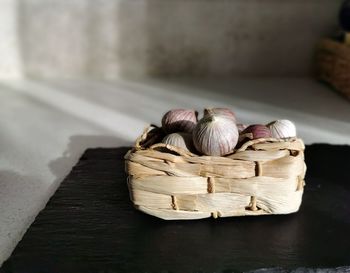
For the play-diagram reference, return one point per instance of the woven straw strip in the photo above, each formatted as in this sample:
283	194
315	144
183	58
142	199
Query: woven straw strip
252	205
258	169
259	155
211	185
174	202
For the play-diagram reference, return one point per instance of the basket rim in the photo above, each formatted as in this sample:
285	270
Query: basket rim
181	152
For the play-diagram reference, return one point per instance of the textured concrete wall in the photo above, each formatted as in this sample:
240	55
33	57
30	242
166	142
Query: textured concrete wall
106	39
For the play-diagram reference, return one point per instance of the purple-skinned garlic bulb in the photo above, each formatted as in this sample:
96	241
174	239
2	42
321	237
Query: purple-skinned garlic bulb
181	140
220	111
215	135
179	120
257	131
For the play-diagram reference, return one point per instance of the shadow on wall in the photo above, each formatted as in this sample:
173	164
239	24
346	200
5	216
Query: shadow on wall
108	39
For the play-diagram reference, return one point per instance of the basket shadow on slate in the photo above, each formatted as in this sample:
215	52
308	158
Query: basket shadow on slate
89	225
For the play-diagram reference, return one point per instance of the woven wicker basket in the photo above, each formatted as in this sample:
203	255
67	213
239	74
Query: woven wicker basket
264	176
333	65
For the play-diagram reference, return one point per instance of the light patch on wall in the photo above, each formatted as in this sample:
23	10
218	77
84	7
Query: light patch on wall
10	64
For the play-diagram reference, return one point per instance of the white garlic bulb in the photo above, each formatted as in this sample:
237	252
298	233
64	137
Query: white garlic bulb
215	135
181	140
282	128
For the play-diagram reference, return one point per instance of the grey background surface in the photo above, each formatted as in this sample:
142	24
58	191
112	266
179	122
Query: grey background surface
108	39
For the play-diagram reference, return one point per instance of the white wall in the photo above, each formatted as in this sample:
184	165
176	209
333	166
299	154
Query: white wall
105	38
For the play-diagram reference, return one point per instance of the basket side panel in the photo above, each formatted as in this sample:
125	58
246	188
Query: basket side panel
265	177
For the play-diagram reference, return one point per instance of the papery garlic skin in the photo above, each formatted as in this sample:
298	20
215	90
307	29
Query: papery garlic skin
282	129
241	127
181	140
179	120
258	131
220	111
215	135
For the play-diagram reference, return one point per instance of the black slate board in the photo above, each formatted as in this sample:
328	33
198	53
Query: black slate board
89	225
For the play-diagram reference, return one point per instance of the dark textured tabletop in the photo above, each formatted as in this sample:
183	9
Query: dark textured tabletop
89	225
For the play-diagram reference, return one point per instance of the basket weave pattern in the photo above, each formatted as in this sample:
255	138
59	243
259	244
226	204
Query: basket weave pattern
333	65
264	176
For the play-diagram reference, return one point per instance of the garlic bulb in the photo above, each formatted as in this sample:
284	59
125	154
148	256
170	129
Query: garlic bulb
241	127
181	140
179	120
220	111
215	135
282	128
257	131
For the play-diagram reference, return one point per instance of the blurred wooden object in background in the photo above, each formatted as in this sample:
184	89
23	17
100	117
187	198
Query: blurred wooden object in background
333	64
